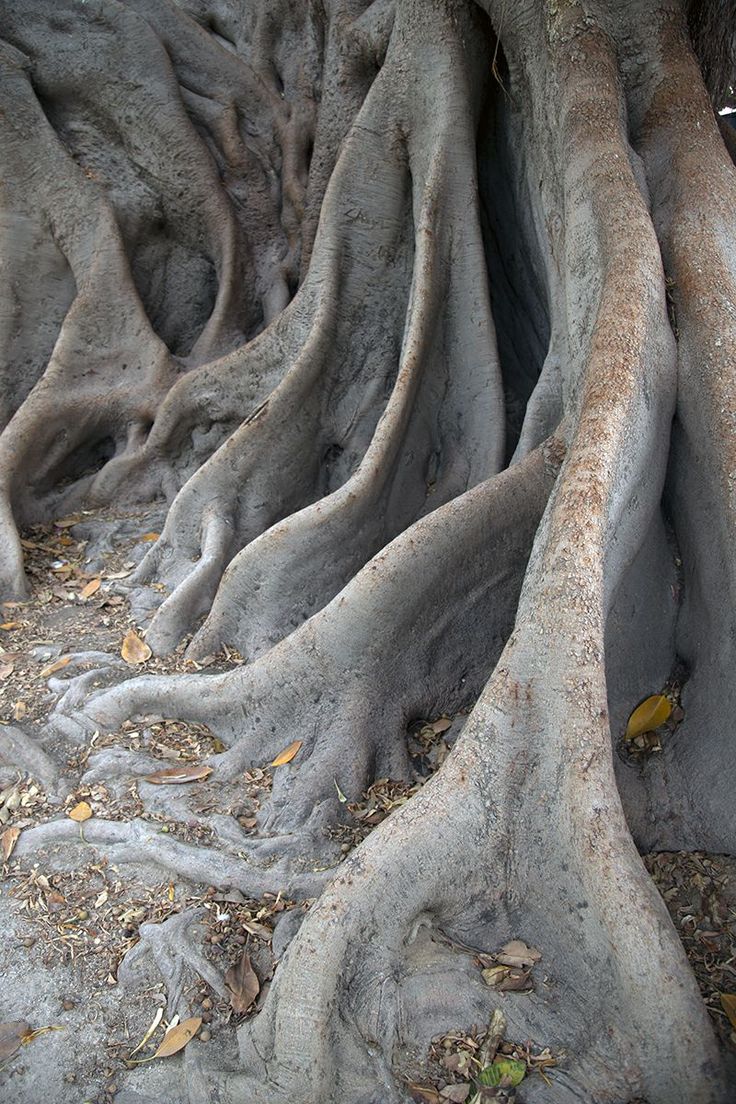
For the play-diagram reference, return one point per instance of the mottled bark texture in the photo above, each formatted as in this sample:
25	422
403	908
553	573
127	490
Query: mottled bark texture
420	315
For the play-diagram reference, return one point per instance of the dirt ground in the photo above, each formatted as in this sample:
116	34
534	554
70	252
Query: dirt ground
81	958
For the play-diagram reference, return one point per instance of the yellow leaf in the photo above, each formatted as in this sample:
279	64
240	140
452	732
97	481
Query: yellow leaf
7	625
39	1032
134	650
178	1037
287	754
55	666
649	715
19	710
494	975
156	1021
8	840
150	536
81	812
91	588
728	1003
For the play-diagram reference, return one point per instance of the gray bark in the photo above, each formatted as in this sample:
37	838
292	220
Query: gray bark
374	296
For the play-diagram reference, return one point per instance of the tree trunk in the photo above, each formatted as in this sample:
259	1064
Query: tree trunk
420	317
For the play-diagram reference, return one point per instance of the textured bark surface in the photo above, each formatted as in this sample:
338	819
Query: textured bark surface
417	320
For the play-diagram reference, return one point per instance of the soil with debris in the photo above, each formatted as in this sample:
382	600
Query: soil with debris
700	893
86	940
80	988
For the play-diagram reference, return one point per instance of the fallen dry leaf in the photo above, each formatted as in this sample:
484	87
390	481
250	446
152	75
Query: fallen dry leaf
455	1094
81	812
177	1037
91	588
287	754
8	840
457	1062
134	650
12	1035
175	776
508	979
19	710
494	975
340	795
516	953
652	713
423	1094
243	984
150	536
57	665
7	625
67	522
260	930
39	1031
441	725
6	670
728	1003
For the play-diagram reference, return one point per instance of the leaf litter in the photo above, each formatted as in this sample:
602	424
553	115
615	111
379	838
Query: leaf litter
88	918
480	1065
428	748
699	891
509	970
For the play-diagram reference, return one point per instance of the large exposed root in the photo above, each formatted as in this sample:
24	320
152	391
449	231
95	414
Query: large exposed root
123	222
684	792
139	842
538	739
441	429
368	980
337	692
